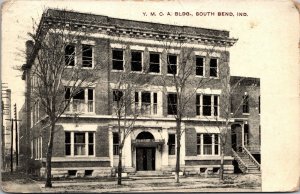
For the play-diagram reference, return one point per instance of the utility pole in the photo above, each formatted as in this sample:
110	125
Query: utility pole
11	146
17	138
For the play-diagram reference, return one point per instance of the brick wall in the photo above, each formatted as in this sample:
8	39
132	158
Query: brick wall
190	142
102	142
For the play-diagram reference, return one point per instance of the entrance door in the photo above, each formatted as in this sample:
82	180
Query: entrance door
233	142
145	159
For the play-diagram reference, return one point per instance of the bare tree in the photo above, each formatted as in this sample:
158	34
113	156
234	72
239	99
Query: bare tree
61	68
126	84
181	71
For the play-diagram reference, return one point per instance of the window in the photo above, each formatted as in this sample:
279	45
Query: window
198	104
213	68
206	105
208	144
136	61
117	95
198	144
146	102
87	55
79	143
210	105
82	101
155	103
200	66
117	60
171	144
172	64
70	55
246	104
172	104
115	143
154	64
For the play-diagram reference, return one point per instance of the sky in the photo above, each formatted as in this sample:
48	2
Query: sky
267	48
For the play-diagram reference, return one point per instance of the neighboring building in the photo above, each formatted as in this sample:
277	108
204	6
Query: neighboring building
86	144
245	108
6	130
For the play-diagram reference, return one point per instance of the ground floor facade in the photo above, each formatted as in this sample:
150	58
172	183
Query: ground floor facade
89	147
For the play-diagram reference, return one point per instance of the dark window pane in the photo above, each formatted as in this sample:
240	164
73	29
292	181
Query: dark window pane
206	100
90	94
91	137
216	138
115	138
136	97
136	56
197	99
87	55
172	59
172	64
136	66
91	149
199	66
154	65
79	95
68	149
206	111
79	138
118	54
117	59
198	139
213	70
67	93
117	95
155	98
216	102
154	58
67	137
172	104
146	97
70	55
118	65
171	143
246	104
216	149
207	139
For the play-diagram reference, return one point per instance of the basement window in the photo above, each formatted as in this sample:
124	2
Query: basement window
216	170
72	172
88	172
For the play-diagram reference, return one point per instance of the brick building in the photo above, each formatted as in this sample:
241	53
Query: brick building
87	143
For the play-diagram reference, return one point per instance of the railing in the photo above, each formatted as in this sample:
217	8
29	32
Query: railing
253	148
251	157
241	163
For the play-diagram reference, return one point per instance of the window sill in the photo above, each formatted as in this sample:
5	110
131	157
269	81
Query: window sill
87	67
137	72
117	71
200	76
246	114
154	73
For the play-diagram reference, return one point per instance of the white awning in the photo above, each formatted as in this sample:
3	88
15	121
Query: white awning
207	129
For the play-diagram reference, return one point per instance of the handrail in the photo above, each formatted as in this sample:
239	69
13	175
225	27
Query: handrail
239	160
251	157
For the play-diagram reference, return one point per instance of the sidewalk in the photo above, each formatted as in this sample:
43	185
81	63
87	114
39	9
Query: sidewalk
233	183
18	182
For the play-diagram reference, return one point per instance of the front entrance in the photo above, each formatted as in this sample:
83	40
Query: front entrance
145	159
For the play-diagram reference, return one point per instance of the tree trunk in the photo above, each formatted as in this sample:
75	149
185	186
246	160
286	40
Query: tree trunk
178	135
222	163
120	167
49	157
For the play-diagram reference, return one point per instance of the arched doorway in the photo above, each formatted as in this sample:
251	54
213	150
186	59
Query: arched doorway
145	153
